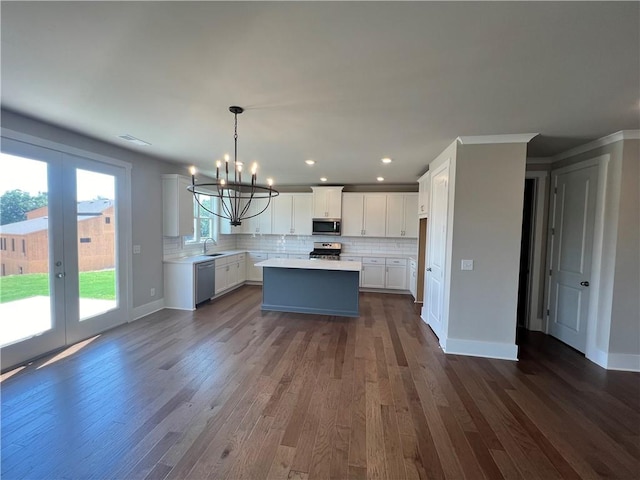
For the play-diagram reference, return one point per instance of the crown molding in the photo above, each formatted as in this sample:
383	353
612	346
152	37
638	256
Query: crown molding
601	142
539	160
506	138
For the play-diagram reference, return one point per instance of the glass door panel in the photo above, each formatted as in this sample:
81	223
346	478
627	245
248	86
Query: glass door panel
25	293
31	252
96	282
96	224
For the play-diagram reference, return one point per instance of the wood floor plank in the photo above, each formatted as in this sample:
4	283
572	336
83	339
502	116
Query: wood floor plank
229	391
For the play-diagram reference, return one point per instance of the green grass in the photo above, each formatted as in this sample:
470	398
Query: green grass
99	285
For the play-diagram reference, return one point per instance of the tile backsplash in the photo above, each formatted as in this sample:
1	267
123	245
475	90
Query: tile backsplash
175	247
304	244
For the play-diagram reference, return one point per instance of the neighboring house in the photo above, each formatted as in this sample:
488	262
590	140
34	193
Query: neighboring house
24	245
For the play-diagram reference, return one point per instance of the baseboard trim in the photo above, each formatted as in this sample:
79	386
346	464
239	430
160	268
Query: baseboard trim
474	348
147	309
626	362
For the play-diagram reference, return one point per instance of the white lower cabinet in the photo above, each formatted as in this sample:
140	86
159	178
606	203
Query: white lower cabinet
254	274
230	271
373	272
413	278
396	274
386	273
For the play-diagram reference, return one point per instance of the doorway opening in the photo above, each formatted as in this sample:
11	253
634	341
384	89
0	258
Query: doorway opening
526	242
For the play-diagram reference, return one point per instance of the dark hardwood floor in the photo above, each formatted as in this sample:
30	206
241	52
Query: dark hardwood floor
230	392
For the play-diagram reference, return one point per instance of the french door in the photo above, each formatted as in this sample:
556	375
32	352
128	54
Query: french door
63	249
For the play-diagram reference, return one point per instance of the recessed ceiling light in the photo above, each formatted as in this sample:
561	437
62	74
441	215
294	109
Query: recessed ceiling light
386	160
134	140
380	179
310	162
323	179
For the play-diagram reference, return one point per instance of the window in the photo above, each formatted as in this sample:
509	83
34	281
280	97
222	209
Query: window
85	240
205	224
13	244
24	246
3	244
107	220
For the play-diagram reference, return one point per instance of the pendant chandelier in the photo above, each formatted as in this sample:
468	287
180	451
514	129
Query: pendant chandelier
234	196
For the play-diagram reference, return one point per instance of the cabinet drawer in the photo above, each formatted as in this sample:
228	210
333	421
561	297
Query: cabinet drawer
372	261
347	258
278	255
299	256
400	262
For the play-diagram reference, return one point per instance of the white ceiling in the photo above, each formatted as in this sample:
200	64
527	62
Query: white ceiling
344	84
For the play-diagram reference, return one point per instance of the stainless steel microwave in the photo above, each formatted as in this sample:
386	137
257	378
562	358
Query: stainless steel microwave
326	226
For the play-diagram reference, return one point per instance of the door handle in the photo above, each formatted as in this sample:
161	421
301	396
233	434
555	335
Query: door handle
59	275
584	284
428	269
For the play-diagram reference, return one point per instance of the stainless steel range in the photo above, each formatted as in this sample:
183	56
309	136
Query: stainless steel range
326	250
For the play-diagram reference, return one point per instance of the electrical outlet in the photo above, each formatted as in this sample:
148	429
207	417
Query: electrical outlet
137	249
466	265
153	292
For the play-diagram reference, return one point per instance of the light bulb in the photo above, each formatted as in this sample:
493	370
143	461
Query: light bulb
192	170
269	181
218	163
226	157
254	168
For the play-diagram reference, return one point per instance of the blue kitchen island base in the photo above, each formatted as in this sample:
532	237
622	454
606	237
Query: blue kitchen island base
299	290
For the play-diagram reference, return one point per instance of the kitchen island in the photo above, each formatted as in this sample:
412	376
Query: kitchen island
325	287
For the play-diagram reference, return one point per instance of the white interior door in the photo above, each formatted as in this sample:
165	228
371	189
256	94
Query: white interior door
574	203
434	285
66	226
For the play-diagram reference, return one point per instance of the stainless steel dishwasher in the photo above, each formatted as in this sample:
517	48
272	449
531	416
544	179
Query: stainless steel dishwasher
205	281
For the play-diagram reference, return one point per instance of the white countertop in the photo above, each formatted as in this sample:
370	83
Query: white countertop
311	264
202	258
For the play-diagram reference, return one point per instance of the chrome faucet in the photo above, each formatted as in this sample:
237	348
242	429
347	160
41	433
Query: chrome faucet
204	246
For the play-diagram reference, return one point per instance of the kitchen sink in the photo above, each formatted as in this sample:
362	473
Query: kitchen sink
214	254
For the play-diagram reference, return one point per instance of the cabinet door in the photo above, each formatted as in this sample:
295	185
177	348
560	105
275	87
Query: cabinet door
334	202
411	216
263	221
232	273
254	273
413	279
177	206
395	215
424	186
375	215
242	271
352	214
302	211
281	214
396	277
373	276
221	278
320	209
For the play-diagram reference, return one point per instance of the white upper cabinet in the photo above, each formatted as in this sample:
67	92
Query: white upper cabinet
262	222
177	206
402	215
291	214
327	202
424	188
364	214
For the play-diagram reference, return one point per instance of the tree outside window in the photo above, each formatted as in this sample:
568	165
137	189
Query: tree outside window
205	224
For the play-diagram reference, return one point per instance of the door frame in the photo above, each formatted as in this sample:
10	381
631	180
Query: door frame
23	143
596	279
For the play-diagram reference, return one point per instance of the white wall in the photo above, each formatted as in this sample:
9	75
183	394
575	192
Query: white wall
487	222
